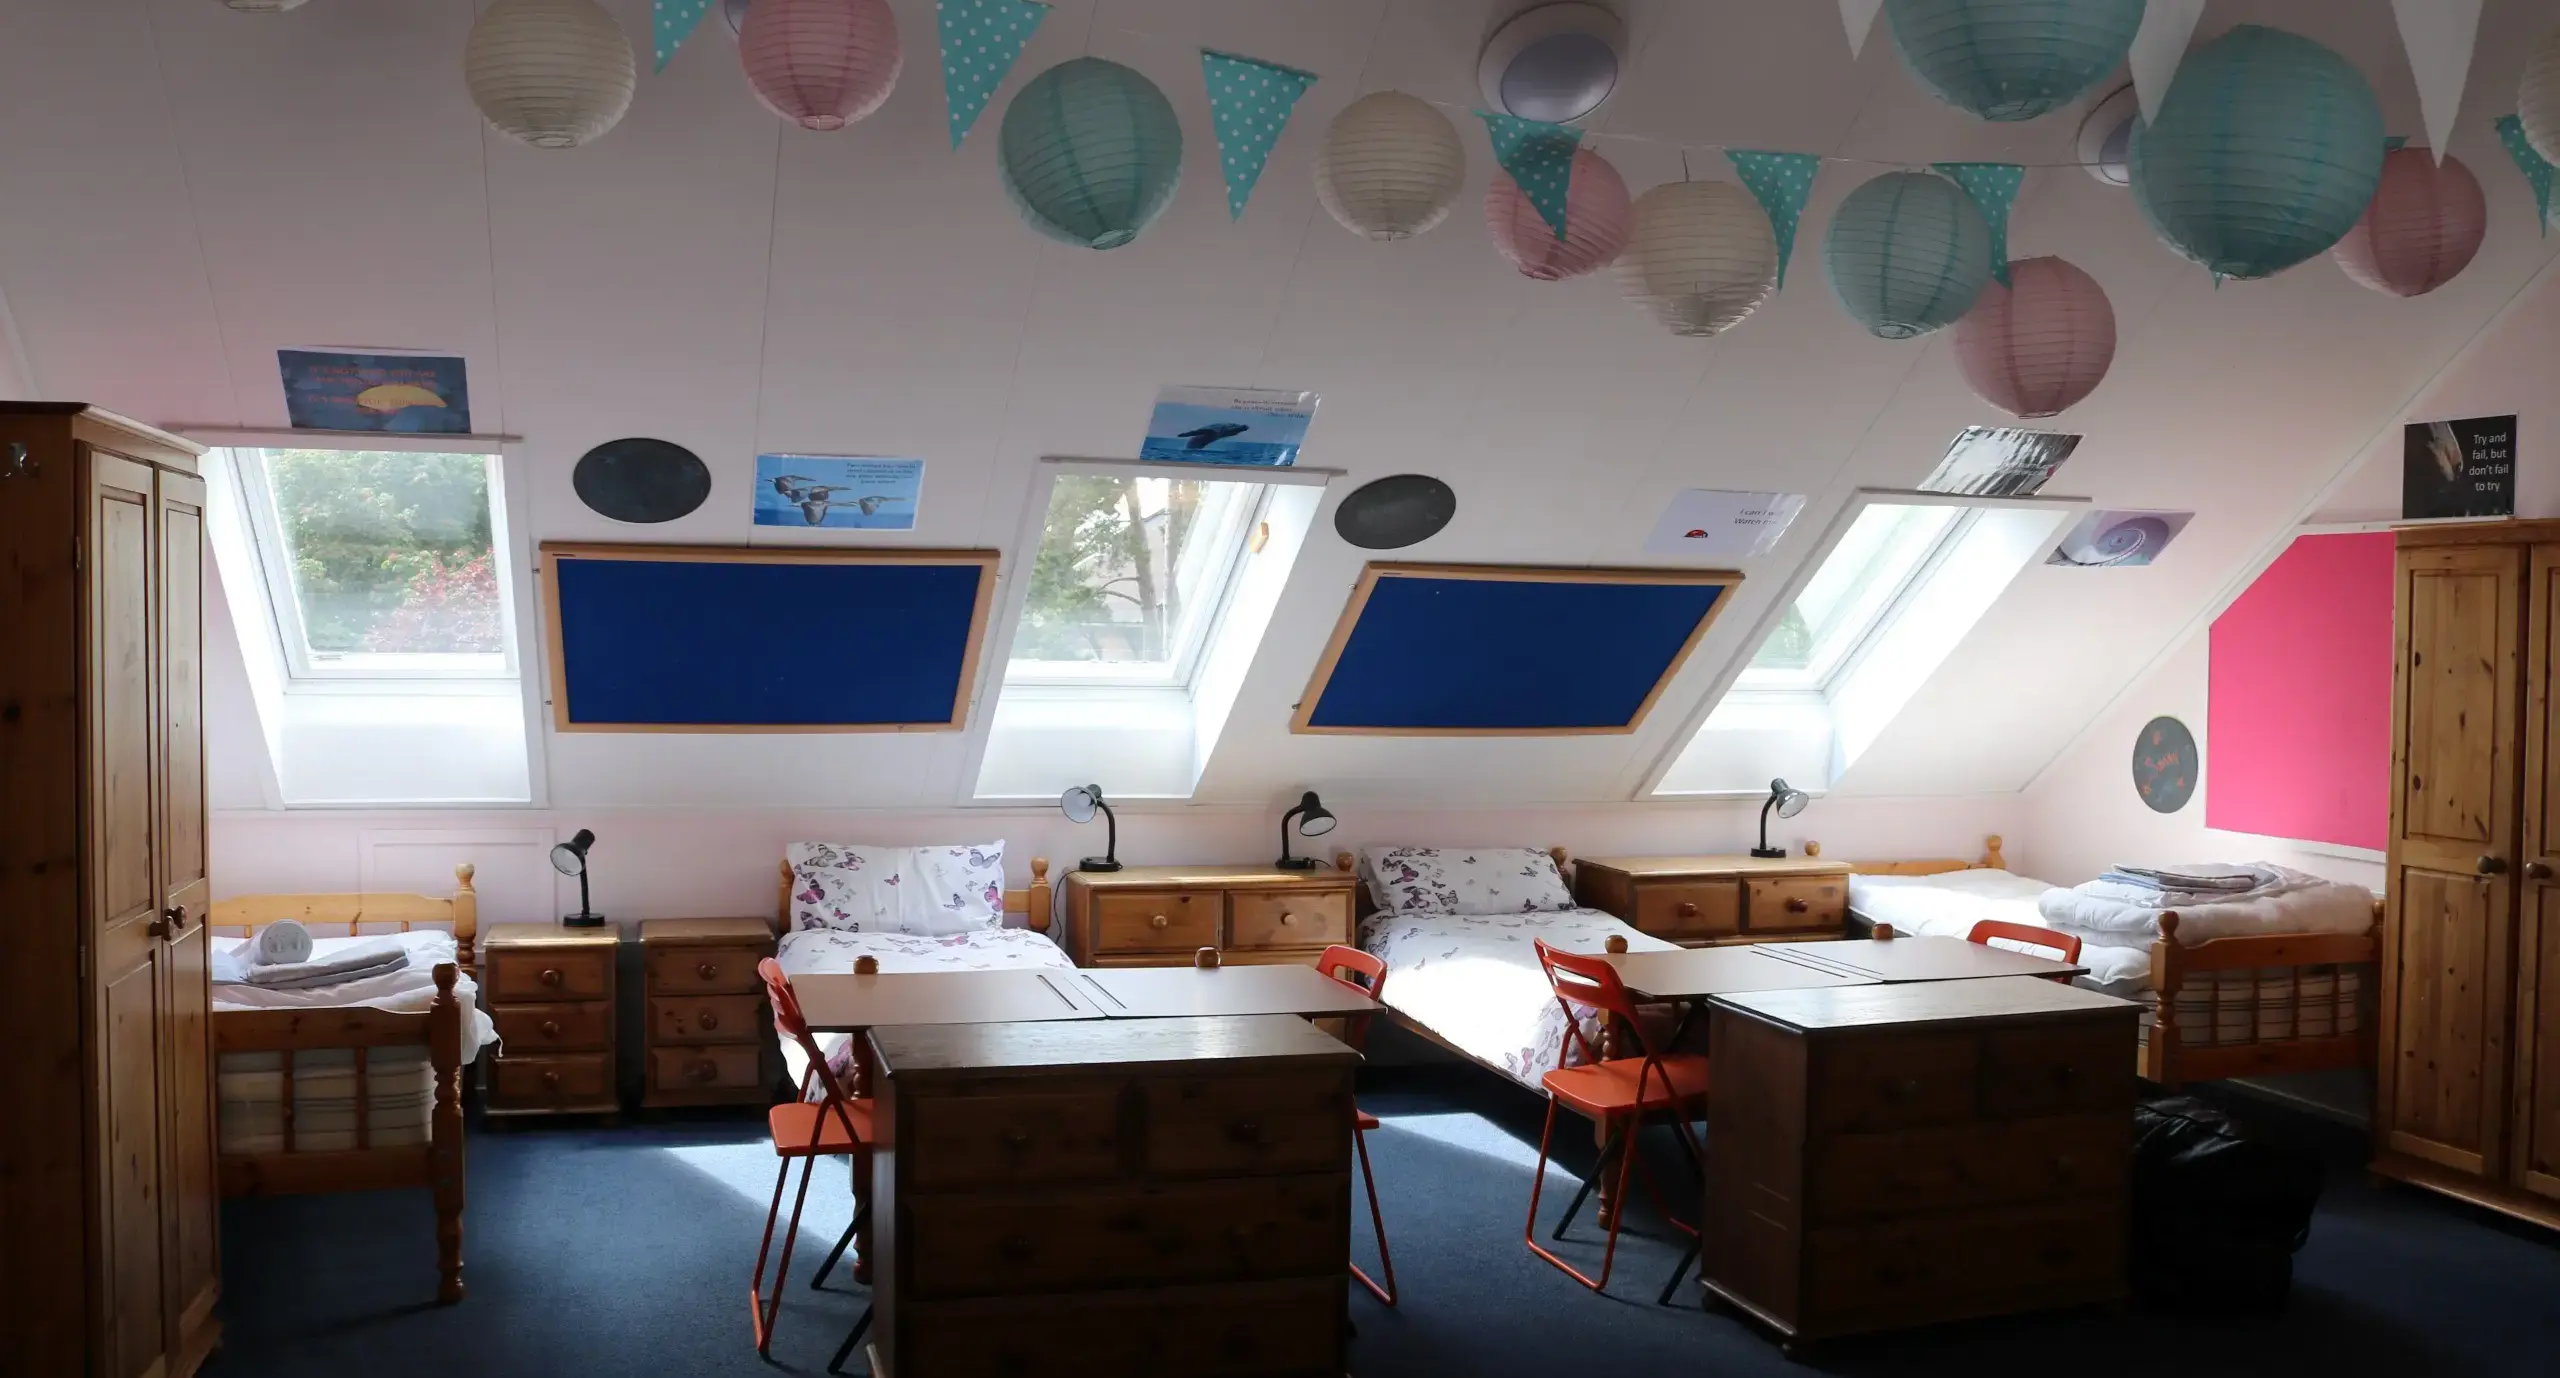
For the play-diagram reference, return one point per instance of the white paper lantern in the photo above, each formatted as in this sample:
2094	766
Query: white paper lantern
263	6
2538	102
1701	257
1391	166
551	73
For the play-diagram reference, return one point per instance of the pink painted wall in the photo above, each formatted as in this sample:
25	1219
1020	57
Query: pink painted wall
2299	697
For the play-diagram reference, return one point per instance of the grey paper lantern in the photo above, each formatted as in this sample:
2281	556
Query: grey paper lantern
1701	256
1391	166
1907	254
2538	100
550	73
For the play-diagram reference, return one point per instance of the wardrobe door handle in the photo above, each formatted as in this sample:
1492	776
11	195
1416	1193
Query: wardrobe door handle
2493	866
2537	870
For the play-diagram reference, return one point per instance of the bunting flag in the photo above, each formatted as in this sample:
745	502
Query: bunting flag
1781	181
2536	169
1994	188
2438	36
1860	17
981	39
1249	104
674	22
1539	156
2159	46
2398	142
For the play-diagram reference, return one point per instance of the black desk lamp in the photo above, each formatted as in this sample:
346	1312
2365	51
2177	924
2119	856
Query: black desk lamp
1788	801
1078	804
570	859
1314	820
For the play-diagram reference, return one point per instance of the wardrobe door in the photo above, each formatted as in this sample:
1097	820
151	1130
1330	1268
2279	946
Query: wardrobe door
194	1198
2535	1166
127	936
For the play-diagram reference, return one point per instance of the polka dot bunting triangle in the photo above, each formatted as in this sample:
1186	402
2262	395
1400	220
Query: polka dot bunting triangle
1249	103
1781	182
981	39
1539	156
673	24
1994	188
2537	172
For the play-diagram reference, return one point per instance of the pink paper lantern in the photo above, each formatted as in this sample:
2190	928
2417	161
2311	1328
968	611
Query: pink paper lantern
821	64
1598	217
2040	344
2425	223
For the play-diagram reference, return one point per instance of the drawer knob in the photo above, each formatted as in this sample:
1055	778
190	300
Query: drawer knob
1014	1249
1017	1139
708	971
1688	909
2063	1163
1288	920
551	976
1796	905
1159	921
708	1021
551	1028
1245	1132
551	1079
704	1070
1904	1088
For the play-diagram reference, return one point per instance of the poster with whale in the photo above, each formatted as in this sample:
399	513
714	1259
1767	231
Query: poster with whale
1257	426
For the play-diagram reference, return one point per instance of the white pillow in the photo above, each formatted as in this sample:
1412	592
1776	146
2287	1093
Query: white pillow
933	891
1464	880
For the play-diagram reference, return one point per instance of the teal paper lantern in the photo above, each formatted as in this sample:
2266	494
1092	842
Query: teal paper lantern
2266	152
1907	254
1091	153
2012	59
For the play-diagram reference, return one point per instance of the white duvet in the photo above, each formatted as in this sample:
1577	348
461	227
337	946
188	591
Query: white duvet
2289	902
824	950
1473	979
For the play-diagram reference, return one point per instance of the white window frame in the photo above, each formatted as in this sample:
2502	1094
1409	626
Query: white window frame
305	671
1818	679
1230	549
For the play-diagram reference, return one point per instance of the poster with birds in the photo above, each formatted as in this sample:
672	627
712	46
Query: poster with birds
848	492
374	390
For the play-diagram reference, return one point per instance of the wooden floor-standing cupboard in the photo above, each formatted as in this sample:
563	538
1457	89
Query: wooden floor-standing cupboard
108	1202
2469	1079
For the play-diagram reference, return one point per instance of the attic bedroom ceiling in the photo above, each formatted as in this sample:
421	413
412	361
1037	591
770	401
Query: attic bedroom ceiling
185	189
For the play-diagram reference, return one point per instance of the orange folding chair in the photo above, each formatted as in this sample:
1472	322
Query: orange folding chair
835	1125
2064	946
1617	1094
1368	975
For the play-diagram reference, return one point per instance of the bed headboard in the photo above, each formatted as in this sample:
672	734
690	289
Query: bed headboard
1364	906
1935	866
359	914
1031	902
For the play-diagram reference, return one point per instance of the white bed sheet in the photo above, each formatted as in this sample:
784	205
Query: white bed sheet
823	950
1949	904
1473	979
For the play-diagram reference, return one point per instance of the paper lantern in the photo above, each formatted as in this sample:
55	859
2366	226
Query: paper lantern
1701	256
821	64
2425	223
1091	152
2042	343
1596	217
1907	254
2012	59
551	73
2538	100
263	6
1391	166
2267	149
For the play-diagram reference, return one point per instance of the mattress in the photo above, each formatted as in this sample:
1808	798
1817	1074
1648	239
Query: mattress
824	950
1473	979
399	1081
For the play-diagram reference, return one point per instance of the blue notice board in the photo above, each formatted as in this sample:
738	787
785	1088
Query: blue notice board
705	639
1473	650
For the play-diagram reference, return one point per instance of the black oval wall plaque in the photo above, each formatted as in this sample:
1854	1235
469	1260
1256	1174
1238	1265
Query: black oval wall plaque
641	480
1395	512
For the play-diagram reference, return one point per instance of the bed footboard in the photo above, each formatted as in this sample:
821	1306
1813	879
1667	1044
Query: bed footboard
2271	972
436	1164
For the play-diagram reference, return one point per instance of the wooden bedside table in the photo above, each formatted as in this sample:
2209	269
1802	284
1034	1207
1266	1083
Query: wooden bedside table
550	991
1149	916
1699	901
708	1041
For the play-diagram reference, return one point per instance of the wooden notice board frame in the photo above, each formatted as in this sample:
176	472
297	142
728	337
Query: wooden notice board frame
1372	574
964	690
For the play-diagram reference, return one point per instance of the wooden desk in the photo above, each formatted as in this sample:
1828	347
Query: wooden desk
1167	1197
1191	992
843	1002
1894	960
1694	973
1888	1156
1703	900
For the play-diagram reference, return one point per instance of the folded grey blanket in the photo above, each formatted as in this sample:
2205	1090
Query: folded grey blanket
2194	880
354	963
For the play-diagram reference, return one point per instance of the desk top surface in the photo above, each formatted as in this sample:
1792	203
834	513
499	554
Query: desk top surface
1066	1048
842	1002
1693	973
1920	959
1997	998
1183	992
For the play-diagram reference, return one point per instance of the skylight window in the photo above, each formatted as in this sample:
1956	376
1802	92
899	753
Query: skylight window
1133	573
381	564
1854	591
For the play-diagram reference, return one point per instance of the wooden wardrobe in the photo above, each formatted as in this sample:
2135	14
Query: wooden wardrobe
2468	1089
108	1200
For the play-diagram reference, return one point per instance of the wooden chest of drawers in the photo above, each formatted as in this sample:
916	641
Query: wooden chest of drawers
707	1020
1161	915
1890	1156
1168	1197
1699	901
550	992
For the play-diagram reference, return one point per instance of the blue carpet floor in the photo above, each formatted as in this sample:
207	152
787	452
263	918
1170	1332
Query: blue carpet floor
626	1251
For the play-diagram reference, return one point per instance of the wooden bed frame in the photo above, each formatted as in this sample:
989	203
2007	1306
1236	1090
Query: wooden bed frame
1032	902
437	1164
2163	1056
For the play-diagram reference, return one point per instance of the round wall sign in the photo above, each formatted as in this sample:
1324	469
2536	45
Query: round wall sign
2165	764
1395	512
641	480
